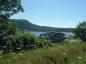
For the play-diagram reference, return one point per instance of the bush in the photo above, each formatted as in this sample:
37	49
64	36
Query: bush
28	41
13	39
41	43
80	31
53	37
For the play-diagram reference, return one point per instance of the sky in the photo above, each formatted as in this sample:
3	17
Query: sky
53	13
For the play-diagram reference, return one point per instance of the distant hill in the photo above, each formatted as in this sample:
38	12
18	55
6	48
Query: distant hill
28	26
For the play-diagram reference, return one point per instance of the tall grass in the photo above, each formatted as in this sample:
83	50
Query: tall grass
71	52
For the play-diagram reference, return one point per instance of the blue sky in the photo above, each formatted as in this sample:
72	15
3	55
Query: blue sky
54	13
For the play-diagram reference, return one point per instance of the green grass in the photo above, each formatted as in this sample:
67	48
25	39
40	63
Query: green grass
71	52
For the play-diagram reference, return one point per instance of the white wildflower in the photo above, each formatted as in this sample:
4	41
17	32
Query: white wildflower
60	46
45	40
1	52
21	54
19	48
79	57
11	50
64	53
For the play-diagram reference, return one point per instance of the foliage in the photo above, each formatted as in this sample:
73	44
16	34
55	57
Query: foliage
70	53
80	31
28	41
13	39
10	7
7	27
53	36
7	31
41	43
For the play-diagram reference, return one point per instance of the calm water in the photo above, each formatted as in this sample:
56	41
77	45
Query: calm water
38	33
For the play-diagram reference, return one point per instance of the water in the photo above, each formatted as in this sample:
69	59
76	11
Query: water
38	33
68	33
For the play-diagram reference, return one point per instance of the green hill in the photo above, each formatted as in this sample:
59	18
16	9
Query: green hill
28	26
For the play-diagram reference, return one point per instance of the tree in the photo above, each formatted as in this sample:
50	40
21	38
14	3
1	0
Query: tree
10	7
80	31
8	28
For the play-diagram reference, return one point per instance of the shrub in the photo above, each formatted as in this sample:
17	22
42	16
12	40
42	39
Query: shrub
28	41
42	43
13	39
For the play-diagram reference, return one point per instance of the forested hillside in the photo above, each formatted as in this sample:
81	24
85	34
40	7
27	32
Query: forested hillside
28	26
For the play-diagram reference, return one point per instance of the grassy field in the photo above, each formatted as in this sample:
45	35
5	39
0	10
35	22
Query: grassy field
71	52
